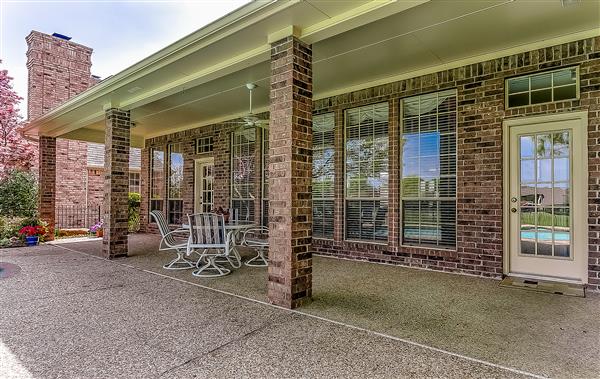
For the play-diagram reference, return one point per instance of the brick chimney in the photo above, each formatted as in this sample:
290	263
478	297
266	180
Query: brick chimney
58	70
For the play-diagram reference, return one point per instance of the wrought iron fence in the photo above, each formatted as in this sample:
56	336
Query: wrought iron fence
77	216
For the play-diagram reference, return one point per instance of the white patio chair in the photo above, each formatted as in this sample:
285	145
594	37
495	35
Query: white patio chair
170	243
207	234
257	238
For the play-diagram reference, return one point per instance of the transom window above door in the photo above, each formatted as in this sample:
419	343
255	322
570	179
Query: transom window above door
545	87
428	176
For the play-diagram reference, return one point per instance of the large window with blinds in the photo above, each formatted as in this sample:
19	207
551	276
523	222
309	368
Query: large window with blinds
323	173
157	180
242	172
428	183
265	178
366	173
175	202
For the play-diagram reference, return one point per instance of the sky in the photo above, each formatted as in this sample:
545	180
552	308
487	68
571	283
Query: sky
120	32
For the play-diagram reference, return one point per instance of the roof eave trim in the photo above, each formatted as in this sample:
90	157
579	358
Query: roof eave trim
217	30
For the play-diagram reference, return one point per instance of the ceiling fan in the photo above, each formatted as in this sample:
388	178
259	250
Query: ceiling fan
251	120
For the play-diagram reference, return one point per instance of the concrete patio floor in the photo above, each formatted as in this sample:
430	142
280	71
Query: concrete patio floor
70	314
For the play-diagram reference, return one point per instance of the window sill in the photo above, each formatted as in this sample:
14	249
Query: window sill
368	242
433	248
428	251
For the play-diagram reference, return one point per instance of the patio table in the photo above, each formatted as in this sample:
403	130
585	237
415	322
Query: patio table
233	228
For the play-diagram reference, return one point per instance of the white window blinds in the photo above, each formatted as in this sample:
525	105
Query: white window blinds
242	172
323	173
366	173
428	184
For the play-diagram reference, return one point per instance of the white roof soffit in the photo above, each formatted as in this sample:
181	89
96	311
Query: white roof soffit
316	21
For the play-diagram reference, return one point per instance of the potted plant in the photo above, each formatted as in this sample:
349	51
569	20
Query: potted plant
32	234
97	229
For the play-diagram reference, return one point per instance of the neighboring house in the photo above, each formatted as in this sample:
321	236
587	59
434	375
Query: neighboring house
58	70
409	133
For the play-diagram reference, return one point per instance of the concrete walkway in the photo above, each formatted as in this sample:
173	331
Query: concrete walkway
68	314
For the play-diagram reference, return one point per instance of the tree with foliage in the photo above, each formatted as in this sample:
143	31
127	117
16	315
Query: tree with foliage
15	151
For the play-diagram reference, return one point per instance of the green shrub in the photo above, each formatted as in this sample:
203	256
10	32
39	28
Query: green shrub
5	242
134	211
18	195
32	221
9	226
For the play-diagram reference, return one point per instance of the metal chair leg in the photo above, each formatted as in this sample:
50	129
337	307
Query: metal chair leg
259	260
179	263
211	270
234	259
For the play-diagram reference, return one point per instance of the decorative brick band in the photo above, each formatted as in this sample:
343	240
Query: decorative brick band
47	196
290	174
116	183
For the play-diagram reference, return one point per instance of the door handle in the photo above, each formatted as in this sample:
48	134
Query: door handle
513	210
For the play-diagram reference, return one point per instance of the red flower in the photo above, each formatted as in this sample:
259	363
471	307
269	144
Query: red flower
30	231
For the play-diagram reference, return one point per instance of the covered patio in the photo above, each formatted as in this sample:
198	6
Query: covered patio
365	319
375	132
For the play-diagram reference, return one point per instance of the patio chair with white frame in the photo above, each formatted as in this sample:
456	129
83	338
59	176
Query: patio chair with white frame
257	238
169	242
207	234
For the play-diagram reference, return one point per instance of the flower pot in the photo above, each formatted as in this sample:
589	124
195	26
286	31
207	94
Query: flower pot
99	232
32	240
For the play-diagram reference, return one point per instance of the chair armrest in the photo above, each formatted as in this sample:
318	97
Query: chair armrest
261	229
167	247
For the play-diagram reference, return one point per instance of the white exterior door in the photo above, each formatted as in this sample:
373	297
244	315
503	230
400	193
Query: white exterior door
203	193
547	198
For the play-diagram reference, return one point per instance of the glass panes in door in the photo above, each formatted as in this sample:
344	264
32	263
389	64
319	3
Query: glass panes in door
207	187
544	199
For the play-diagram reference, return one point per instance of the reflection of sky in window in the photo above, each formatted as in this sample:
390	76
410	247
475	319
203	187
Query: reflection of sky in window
378	182
176	160
421	145
527	147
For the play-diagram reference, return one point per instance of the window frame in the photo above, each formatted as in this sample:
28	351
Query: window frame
536	73
251	181
264	137
152	180
344	172
168	194
401	197
138	178
204	145
332	198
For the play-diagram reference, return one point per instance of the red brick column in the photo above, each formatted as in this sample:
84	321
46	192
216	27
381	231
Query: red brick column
47	196
290	174
116	182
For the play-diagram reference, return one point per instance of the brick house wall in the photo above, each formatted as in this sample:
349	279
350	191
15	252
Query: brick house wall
221	134
481	111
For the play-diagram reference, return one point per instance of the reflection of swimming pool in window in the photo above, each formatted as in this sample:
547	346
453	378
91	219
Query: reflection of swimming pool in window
545	235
